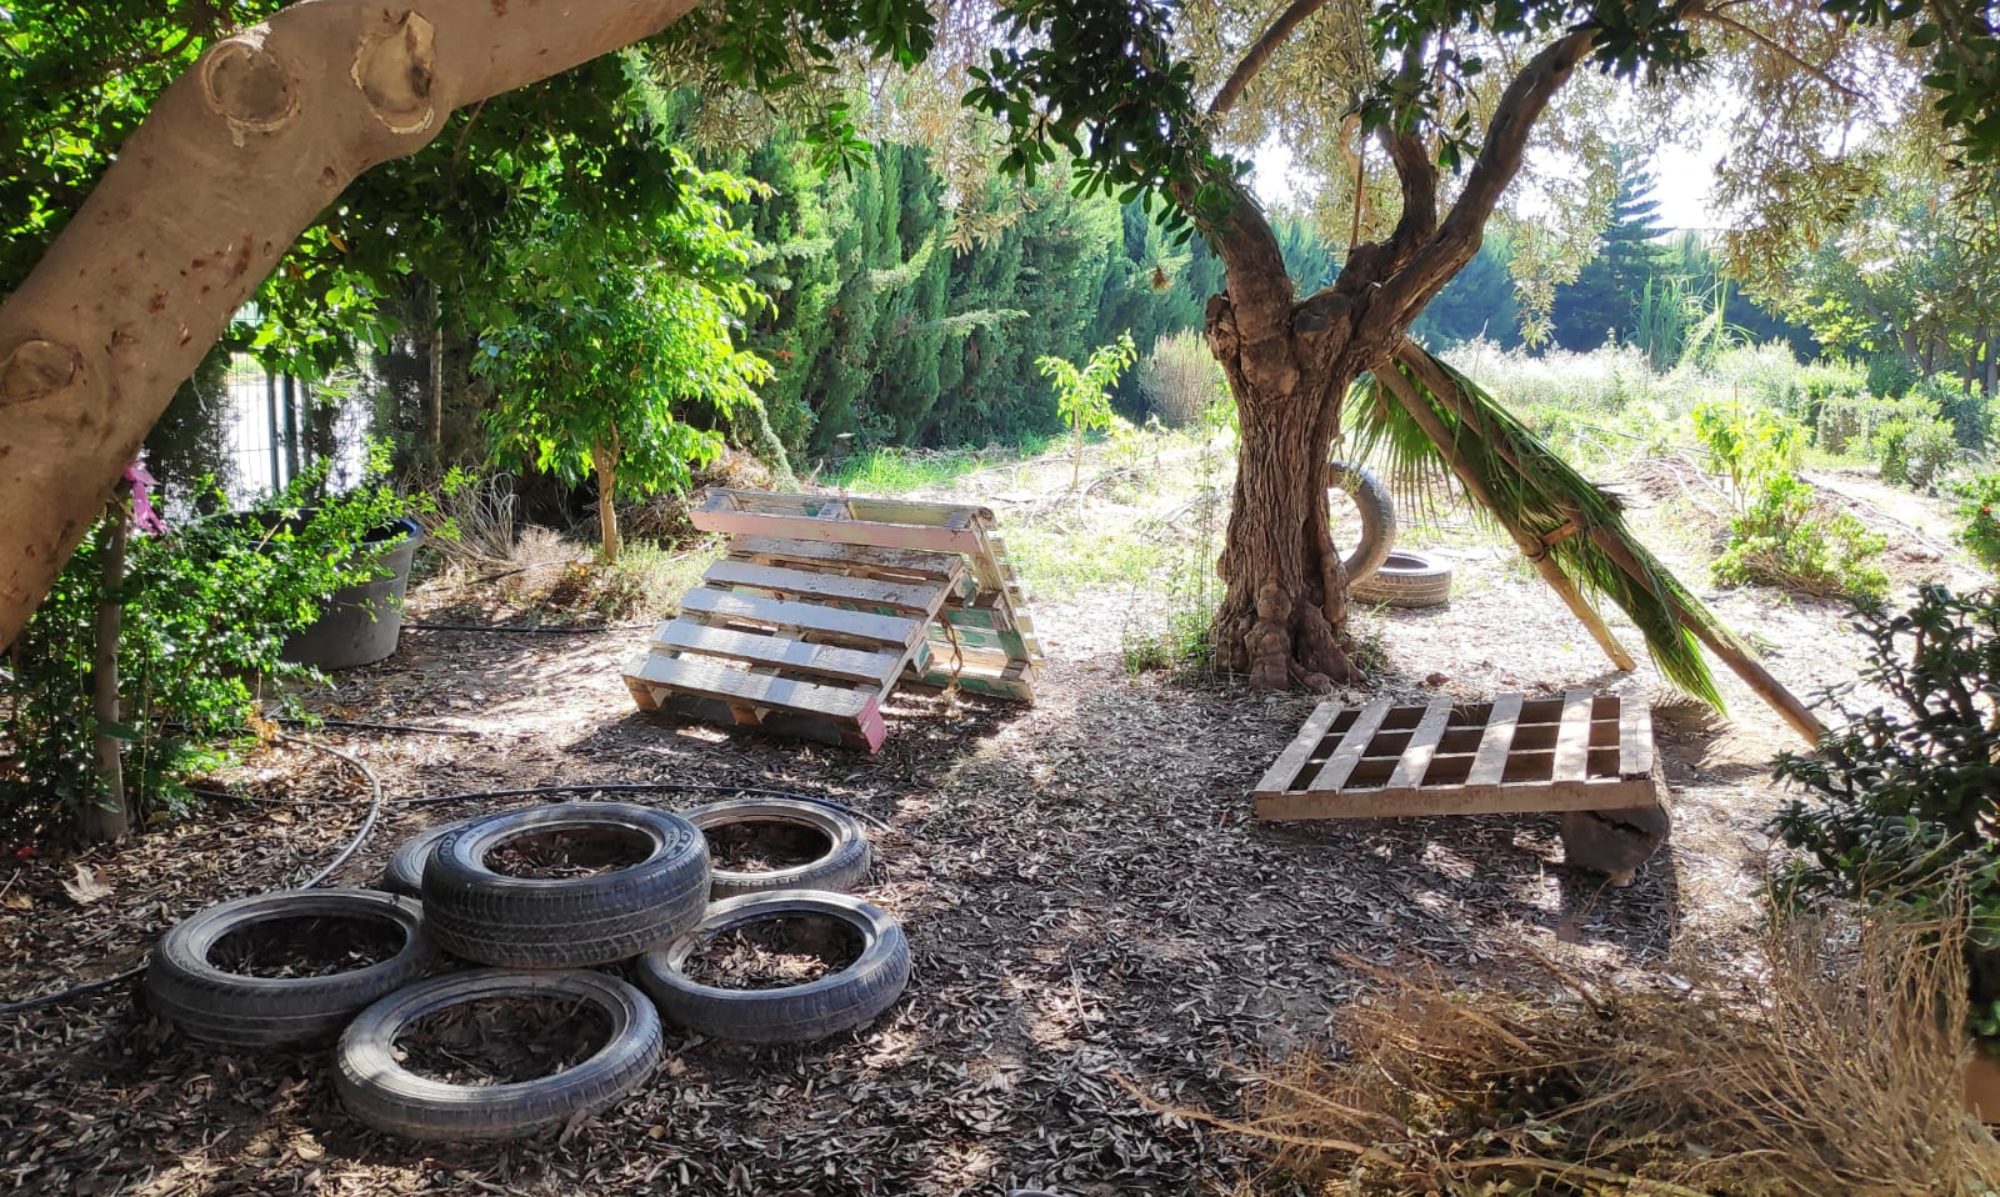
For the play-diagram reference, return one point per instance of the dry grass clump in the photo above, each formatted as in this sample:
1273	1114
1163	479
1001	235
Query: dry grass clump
1831	1065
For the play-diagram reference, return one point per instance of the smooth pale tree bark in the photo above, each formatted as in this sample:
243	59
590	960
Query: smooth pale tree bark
235	159
106	817
1289	362
605	460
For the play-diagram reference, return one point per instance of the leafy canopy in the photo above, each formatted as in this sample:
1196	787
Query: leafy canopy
609	360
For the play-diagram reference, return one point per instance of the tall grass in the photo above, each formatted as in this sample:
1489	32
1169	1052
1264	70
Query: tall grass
889	471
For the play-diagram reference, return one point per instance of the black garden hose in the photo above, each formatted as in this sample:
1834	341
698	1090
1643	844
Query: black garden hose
62	996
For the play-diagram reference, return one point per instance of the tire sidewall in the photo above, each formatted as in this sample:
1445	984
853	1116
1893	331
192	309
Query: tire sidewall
885	950
457	861
368	1076
844	863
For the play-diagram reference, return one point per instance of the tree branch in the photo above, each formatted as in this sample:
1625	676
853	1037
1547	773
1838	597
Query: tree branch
232	162
1714	16
1457	239
1260	52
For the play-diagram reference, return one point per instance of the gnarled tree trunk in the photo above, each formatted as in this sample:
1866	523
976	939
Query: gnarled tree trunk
1283	618
234	161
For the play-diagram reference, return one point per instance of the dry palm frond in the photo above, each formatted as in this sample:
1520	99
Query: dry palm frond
1832	1066
1535	492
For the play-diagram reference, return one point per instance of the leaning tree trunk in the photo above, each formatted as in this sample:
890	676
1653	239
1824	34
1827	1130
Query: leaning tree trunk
235	159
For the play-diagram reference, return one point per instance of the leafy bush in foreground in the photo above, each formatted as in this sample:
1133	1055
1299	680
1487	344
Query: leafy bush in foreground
207	608
1979	507
1899	800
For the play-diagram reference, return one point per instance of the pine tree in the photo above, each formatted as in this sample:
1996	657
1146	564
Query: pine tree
1602	301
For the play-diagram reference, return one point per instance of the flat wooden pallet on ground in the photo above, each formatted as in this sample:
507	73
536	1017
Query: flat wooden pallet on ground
1580	752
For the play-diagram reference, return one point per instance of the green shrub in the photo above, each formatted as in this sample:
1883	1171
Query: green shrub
1914	453
1979	507
1849	424
1898	802
1749	445
1780	539
207	607
1968	412
1891	374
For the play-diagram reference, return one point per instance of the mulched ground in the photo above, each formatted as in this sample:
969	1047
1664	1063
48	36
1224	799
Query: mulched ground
307	947
774	953
764	847
1088	903
499	1041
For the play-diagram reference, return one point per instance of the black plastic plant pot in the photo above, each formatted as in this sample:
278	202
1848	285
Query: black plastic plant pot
361	624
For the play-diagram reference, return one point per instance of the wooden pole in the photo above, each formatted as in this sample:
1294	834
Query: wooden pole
1742	663
105	817
1533	549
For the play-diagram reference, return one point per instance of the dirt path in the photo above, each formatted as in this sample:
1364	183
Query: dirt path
1088	901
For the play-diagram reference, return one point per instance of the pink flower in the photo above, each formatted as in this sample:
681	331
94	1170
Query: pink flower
144	516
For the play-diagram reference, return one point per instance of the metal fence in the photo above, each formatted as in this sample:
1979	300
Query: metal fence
279	426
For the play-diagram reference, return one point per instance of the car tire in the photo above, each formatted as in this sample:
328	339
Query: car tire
839	869
211	1003
1378	517
379	1091
482	915
1406	580
842	1001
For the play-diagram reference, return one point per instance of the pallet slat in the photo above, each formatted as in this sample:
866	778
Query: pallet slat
922	599
827	660
1333	774
1635	740
1491	760
1283	770
809	617
941	566
719	681
1573	740
842	531
1422	747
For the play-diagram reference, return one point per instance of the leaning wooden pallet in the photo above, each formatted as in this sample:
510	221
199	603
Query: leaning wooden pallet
1588	755
822	604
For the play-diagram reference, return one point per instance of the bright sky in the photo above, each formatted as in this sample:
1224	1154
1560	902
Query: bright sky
1683	174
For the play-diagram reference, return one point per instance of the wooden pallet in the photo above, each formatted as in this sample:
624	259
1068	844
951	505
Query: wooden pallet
822	604
1580	752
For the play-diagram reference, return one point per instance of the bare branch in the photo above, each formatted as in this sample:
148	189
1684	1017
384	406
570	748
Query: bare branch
1260	52
1714	16
1418	176
1458	238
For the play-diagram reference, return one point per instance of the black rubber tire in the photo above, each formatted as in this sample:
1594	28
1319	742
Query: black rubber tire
1378	517
212	1004
380	1092
839	869
403	873
524	922
842	1001
1406	580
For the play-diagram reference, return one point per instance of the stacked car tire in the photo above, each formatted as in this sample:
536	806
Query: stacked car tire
544	937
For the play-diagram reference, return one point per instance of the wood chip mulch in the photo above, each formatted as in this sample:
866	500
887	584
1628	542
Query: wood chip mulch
1088	902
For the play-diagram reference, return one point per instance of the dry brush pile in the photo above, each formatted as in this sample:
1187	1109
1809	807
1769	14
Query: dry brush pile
1829	1063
